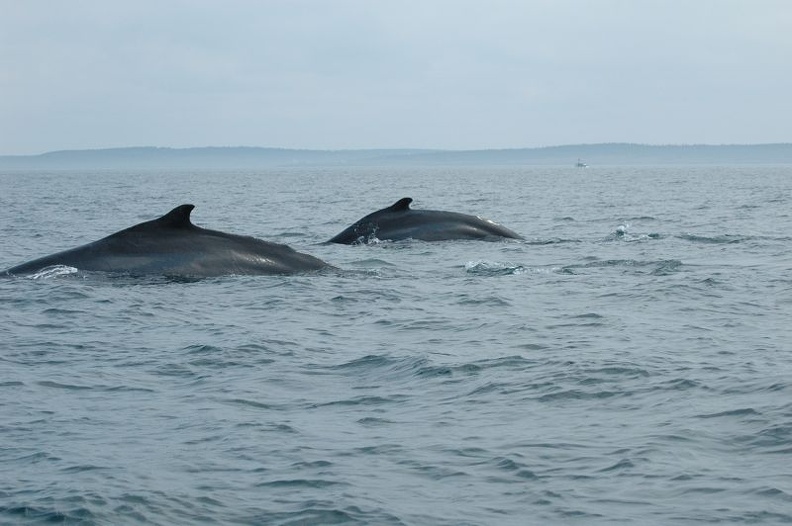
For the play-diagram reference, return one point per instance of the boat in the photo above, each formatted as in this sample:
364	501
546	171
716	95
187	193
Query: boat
581	164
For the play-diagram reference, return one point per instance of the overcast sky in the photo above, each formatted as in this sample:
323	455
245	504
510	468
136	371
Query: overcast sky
336	74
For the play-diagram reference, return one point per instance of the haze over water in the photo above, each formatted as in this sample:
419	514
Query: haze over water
629	362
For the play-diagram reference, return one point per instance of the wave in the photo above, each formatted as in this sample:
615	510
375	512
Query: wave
654	267
721	239
321	513
38	514
623	234
55	271
492	268
412	369
549	241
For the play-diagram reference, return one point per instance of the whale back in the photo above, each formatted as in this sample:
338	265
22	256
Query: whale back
173	245
399	222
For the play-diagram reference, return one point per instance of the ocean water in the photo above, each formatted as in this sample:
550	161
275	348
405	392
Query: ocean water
628	363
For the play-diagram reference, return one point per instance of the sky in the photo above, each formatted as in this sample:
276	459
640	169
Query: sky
349	74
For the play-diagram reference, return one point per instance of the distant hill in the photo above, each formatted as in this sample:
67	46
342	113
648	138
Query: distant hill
253	157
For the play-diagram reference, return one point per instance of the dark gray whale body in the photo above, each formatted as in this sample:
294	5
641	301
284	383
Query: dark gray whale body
399	221
173	246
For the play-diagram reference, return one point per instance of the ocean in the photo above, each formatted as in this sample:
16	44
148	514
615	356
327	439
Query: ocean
630	362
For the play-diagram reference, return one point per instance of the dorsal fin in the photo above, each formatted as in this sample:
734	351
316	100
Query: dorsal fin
402	205
179	217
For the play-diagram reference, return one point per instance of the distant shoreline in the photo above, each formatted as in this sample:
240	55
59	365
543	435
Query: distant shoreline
262	157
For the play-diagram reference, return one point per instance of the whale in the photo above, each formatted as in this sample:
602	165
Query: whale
173	246
399	222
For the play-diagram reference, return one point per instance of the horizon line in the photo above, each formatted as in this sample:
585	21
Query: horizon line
395	149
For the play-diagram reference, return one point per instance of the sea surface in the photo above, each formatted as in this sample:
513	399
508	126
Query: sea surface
630	362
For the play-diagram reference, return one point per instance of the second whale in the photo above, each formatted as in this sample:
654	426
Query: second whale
399	221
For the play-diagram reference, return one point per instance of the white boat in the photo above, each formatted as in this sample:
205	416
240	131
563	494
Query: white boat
581	164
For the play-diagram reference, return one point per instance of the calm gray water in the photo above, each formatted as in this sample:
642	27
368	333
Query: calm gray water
629	363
